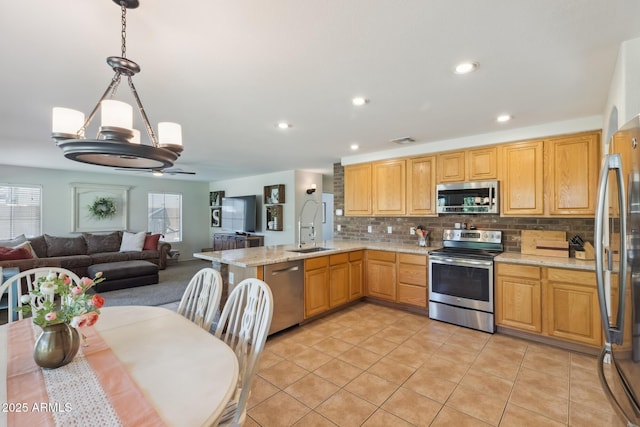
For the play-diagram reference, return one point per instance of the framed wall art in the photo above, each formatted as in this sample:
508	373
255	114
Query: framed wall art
216	217
215	198
98	207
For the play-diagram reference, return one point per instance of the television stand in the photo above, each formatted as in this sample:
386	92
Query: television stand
227	241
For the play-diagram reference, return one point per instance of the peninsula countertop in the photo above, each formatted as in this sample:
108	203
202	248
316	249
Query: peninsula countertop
264	255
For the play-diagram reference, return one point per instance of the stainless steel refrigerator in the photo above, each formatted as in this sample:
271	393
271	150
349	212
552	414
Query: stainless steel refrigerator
617	244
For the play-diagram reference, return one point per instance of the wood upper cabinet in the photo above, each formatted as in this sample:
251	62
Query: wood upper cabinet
357	189
316	286
451	166
482	163
356	275
412	280
518	297
389	185
381	274
338	279
421	186
521	179
572	306
623	146
572	172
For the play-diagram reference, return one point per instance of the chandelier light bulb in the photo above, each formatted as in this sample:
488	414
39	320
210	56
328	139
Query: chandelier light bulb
169	133
136	136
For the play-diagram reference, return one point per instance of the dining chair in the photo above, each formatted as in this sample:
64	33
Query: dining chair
14	287
201	298
243	326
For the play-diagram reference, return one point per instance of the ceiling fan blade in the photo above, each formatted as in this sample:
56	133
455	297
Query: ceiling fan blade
175	171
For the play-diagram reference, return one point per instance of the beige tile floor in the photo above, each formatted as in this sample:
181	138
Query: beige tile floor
370	365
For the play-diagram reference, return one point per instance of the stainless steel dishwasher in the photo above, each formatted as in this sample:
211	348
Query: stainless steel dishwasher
286	280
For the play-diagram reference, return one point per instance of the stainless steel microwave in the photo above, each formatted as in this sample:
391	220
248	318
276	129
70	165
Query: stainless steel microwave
475	197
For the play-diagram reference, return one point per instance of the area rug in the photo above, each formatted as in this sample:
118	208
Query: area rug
173	281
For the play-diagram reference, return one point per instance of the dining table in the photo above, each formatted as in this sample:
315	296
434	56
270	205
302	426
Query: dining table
138	365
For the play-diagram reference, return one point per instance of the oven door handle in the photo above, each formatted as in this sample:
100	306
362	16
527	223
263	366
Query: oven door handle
461	262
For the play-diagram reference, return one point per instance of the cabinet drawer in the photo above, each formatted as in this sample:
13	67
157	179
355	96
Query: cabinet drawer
586	278
414	295
381	256
412	259
338	259
314	263
518	270
356	255
412	274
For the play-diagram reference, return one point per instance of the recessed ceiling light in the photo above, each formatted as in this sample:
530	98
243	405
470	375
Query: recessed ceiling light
359	101
284	125
466	67
503	118
354	147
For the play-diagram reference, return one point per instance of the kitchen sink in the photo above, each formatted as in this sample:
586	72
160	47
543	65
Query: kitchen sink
309	250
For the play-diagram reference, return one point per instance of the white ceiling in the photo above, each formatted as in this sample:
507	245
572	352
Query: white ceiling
228	71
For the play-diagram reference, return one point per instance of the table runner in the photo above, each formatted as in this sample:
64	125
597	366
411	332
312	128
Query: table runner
94	389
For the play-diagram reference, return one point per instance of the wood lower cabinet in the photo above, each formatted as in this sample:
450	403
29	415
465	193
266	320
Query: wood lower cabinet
381	275
518	297
338	279
316	286
226	241
356	275
554	302
412	280
573	312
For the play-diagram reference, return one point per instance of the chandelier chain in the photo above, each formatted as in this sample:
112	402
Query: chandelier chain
124	29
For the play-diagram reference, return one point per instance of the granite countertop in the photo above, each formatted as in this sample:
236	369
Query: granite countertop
263	255
546	261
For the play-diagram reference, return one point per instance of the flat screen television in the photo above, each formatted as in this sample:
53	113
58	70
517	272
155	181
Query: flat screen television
239	214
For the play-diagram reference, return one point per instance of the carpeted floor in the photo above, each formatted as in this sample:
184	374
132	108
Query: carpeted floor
173	281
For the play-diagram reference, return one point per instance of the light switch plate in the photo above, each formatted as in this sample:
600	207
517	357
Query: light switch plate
339	227
369	229
231	278
389	230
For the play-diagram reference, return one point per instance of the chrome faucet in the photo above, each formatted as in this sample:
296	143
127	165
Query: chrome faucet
311	225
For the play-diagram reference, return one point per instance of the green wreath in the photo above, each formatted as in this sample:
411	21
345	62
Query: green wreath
102	208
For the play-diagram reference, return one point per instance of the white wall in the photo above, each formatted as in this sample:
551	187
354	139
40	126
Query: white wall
296	183
57	202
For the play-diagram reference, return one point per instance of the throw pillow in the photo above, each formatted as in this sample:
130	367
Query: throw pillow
13	242
132	241
98	243
151	242
27	246
39	246
13	254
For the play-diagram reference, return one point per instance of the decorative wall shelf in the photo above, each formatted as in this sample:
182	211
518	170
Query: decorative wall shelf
273	199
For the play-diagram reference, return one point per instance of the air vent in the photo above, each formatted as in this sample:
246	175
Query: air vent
405	140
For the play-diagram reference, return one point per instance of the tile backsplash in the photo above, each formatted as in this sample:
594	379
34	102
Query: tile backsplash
356	228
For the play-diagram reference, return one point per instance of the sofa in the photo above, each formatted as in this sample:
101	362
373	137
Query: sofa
79	252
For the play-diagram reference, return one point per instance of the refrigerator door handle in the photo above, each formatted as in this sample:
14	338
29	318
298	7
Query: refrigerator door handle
613	332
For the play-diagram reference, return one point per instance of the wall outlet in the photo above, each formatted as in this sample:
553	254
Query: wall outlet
412	231
338	212
231	278
369	229
339	227
389	230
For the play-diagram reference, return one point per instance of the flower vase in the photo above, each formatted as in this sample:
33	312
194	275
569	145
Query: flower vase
56	346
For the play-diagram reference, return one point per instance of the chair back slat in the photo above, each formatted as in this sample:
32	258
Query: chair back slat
201	299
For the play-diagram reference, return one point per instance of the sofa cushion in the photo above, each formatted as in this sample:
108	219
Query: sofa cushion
71	262
102	242
132	241
65	246
7	254
151	242
39	245
13	242
104	257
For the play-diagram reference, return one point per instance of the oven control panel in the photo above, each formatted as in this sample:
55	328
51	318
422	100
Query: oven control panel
486	236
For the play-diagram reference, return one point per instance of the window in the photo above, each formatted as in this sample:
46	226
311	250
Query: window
165	215
20	211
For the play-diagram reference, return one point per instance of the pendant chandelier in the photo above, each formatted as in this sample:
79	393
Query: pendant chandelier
117	143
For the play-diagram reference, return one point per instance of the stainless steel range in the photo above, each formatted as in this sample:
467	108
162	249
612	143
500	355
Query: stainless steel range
461	278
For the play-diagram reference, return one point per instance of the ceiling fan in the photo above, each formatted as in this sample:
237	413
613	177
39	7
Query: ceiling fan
159	171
